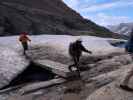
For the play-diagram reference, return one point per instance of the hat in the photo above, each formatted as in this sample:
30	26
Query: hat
79	40
24	33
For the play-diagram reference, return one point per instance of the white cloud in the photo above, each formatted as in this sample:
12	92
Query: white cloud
92	5
78	4
103	19
105	6
87	8
72	3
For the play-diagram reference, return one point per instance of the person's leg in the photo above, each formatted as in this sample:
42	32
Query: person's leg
74	64
77	64
25	47
76	61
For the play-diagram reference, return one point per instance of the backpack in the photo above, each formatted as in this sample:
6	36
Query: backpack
71	49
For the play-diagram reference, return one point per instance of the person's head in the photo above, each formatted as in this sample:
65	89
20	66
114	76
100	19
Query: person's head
24	33
79	41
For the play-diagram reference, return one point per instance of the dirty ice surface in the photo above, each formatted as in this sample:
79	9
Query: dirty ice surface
12	62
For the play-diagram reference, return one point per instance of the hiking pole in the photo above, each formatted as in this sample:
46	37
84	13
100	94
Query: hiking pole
78	70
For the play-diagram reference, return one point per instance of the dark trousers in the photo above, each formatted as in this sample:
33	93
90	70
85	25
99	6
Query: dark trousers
25	46
76	63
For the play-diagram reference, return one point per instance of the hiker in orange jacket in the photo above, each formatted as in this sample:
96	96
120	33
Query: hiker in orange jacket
24	41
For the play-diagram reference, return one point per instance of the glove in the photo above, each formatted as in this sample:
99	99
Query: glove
89	52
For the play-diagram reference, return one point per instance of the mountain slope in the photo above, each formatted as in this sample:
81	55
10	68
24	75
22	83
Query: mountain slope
123	28
45	17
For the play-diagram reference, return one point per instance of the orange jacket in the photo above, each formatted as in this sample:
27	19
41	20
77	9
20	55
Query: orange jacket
24	38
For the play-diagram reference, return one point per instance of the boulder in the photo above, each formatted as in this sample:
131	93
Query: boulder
112	91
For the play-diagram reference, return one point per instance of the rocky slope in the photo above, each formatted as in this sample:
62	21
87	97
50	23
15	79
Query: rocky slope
123	28
112	91
100	73
45	17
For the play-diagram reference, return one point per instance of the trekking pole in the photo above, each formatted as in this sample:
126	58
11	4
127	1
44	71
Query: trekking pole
78	70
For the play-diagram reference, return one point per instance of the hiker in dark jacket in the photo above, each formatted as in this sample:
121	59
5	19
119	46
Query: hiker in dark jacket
24	41
129	49
75	51
129	44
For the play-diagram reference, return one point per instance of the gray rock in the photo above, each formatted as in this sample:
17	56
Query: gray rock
113	91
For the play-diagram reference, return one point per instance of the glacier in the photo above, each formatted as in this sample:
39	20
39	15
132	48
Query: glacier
13	62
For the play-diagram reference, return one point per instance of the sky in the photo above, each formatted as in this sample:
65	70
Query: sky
104	12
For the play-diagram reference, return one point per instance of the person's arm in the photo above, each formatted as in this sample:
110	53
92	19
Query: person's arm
20	39
28	38
85	50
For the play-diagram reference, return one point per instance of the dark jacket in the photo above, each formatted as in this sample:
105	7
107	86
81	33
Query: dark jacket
129	45
75	49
